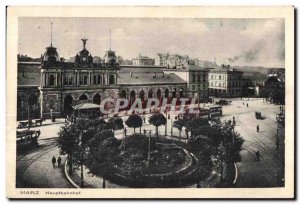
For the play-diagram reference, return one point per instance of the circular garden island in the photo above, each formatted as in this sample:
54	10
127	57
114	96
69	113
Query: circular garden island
127	162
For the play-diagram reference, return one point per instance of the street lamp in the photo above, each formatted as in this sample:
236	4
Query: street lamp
28	114
221	150
166	122
149	143
125	131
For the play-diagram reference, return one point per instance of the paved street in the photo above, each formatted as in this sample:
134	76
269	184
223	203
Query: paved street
35	168
251	172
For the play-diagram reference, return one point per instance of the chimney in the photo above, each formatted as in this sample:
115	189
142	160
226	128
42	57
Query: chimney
130	74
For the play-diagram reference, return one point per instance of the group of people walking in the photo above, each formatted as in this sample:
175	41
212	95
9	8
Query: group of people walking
54	161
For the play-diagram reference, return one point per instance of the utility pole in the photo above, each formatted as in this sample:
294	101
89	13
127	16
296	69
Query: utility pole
149	146
166	122
110	40
277	152
51	34
28	114
149	143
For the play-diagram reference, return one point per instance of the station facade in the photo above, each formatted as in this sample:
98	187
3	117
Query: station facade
54	85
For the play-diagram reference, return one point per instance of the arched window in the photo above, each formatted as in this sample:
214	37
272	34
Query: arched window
158	93
97	98
150	93
51	80
142	95
166	93
132	94
68	105
181	93
123	94
83	97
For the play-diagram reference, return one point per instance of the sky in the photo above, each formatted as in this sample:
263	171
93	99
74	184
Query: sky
239	42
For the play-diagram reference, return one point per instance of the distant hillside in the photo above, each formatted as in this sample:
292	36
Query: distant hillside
258	73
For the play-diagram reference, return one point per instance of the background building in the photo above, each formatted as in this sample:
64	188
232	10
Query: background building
143	61
171	60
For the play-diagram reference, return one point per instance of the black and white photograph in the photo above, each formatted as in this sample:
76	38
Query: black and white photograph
161	103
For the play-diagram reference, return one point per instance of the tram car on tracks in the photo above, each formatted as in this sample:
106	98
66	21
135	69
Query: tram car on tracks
215	111
27	137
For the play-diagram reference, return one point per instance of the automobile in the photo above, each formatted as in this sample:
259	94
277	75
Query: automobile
223	102
258	115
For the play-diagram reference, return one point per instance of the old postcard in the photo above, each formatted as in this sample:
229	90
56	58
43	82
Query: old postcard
150	102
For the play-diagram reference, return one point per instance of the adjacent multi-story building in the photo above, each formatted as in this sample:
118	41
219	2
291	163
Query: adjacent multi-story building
274	89
196	78
225	82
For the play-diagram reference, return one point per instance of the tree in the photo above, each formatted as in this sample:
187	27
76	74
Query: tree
73	140
68	140
179	124
103	149
157	119
197	126
134	121
116	123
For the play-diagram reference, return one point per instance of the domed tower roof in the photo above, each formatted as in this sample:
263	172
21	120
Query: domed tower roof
84	58
51	54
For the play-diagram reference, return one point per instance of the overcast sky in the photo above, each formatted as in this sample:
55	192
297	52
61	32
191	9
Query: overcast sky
258	42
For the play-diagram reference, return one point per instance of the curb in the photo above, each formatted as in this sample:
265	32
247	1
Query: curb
68	177
236	174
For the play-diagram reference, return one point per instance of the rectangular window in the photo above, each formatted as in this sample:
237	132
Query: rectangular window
193	78
68	80
111	79
97	79
83	79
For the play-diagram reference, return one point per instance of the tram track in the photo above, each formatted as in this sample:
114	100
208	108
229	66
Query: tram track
259	145
25	161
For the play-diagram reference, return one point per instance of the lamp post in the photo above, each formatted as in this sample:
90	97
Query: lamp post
166	122
221	148
149	143
125	131
28	114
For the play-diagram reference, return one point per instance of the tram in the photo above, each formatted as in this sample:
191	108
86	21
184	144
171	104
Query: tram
215	111
27	137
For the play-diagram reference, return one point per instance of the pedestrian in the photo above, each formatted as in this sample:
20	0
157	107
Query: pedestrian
58	161
257	128
144	118
243	104
53	161
247	105
257	156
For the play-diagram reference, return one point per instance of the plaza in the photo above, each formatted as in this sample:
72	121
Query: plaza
35	168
